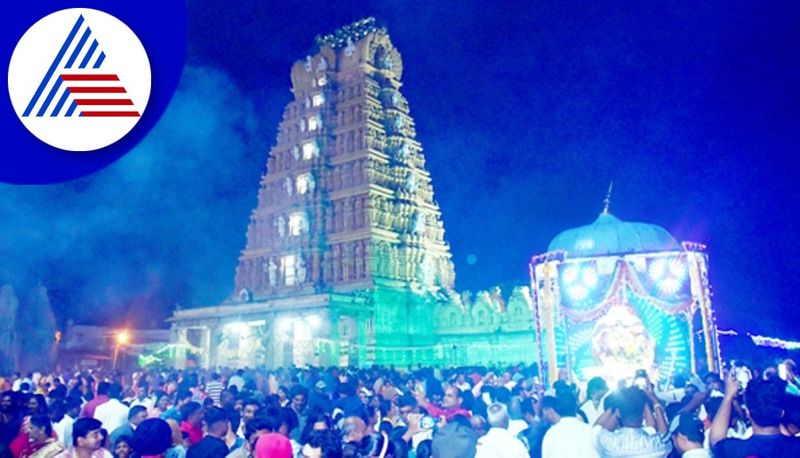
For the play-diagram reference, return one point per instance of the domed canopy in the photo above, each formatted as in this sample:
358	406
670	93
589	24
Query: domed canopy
609	235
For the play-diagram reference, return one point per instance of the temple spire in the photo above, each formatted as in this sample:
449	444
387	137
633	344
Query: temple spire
607	200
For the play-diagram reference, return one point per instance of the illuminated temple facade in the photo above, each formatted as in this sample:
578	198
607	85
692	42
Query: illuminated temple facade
346	261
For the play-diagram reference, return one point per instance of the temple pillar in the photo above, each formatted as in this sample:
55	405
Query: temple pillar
180	338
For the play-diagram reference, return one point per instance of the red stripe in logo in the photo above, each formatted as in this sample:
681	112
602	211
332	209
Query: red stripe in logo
103	101
110	113
72	77
96	90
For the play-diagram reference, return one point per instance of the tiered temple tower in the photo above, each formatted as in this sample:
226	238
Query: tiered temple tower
346	201
345	259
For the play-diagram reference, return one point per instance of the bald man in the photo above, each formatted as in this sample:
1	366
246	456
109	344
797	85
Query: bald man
354	429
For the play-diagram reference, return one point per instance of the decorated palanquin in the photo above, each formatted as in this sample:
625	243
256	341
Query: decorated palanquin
614	297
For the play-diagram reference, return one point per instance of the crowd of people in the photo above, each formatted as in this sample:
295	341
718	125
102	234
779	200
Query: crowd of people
386	412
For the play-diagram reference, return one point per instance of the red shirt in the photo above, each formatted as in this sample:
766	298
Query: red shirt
436	412
195	434
88	409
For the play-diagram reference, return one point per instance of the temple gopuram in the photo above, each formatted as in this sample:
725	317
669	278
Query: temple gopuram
346	261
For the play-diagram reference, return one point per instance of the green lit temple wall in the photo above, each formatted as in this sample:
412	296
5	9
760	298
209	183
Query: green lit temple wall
390	325
406	327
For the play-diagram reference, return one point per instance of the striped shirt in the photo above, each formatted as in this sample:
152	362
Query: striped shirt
214	390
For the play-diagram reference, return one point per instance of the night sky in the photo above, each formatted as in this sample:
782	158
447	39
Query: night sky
525	112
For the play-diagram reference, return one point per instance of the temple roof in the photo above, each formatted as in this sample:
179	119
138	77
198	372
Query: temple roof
352	32
608	235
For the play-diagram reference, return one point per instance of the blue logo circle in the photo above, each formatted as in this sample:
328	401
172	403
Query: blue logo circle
26	159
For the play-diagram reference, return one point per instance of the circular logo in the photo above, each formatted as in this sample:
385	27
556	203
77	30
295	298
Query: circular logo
79	79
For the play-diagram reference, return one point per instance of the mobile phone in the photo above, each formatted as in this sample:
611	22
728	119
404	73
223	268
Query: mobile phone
640	382
427	422
783	372
742	375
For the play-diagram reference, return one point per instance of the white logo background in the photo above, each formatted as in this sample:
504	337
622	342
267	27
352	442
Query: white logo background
124	56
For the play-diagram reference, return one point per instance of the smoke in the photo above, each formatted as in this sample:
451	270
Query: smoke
163	225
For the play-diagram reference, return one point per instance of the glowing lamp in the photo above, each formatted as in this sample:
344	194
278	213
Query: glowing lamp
580	281
571	274
657	269
123	337
577	292
668	273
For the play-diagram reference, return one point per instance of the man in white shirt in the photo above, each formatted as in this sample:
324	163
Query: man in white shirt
62	421
498	442
515	424
619	431
595	392
113	413
140	396
19	381
569	437
237	380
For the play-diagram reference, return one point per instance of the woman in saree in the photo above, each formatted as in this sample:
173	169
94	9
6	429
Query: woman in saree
41	443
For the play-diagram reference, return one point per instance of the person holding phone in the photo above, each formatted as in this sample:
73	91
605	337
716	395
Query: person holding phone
619	432
765	401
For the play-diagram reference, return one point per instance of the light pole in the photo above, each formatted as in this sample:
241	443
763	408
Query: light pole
122	338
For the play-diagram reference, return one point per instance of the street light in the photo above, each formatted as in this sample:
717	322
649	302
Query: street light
123	337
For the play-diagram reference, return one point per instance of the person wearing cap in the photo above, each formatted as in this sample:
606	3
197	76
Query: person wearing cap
688	435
